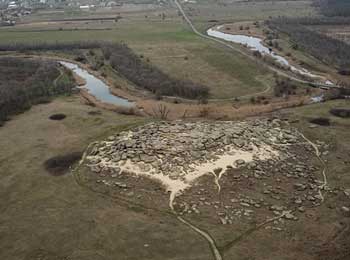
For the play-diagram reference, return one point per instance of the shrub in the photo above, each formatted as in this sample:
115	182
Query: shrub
323	47
26	82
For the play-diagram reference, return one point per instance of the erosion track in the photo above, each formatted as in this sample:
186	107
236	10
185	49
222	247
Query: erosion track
232	47
210	240
230	244
213	246
324	169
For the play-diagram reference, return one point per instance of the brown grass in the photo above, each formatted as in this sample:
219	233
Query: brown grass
219	111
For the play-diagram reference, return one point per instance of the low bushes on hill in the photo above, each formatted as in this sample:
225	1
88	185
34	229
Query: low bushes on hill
126	62
326	49
334	7
149	77
24	82
44	46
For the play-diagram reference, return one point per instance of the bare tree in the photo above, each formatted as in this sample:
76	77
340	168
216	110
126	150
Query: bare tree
161	111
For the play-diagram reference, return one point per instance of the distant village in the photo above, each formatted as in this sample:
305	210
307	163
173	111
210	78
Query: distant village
12	11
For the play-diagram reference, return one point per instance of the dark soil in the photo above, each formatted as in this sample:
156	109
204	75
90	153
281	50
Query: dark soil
320	121
59	165
57	117
340	112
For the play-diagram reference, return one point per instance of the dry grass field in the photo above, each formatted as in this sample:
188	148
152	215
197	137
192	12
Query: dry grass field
53	210
53	217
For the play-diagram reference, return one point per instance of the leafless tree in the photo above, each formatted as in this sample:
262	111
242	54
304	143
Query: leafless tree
161	111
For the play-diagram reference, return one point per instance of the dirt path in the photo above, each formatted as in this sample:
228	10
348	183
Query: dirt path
210	240
59	77
324	170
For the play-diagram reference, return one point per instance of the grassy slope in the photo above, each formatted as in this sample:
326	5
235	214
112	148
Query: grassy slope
163	42
50	217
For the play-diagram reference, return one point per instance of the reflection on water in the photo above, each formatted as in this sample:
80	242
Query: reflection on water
97	87
255	44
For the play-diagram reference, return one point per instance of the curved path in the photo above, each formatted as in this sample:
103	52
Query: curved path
204	234
232	47
324	170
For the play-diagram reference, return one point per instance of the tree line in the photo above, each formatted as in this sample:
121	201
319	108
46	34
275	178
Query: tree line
133	67
139	71
49	46
333	7
319	20
326	49
25	82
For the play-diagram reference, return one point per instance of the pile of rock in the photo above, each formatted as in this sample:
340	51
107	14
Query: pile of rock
172	148
178	153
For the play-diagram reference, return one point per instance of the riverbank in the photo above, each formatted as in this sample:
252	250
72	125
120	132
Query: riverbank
257	43
178	108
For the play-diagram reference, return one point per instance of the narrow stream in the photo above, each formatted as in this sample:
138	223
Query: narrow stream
256	44
97	87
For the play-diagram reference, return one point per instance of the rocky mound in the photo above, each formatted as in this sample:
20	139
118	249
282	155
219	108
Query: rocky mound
176	154
224	171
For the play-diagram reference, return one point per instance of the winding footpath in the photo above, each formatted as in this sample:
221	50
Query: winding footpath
324	170
213	246
211	241
232	47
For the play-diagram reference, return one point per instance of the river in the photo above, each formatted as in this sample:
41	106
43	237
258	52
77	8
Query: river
256	44
97	87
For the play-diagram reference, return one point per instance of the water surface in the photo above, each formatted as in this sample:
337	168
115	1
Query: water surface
256	44
97	87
